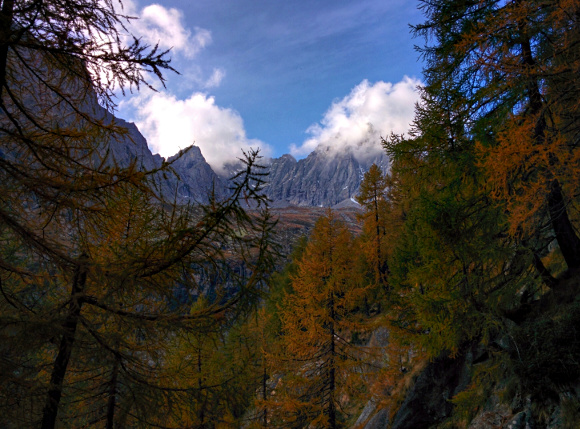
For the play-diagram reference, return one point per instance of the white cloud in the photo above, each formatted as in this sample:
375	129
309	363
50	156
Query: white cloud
170	124
367	113
215	79
163	26
156	24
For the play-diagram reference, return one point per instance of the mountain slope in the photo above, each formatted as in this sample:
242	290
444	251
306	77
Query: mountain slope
325	178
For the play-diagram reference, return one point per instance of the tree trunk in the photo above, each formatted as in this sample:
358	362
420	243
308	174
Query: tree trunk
6	18
547	278
59	368
111	403
565	235
378	238
331	411
265	395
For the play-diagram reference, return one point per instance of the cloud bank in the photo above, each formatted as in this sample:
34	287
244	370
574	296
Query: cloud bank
171	124
354	123
367	113
159	25
156	25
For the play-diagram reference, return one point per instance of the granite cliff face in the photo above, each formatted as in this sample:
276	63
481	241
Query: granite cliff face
132	146
189	178
322	179
196	178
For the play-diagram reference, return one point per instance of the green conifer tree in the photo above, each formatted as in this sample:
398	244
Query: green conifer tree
372	197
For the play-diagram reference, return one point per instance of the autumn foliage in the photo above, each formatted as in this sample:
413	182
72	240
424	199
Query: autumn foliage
321	365
121	308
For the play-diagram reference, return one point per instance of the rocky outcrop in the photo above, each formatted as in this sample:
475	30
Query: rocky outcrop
196	179
324	178
379	421
131	146
427	403
189	177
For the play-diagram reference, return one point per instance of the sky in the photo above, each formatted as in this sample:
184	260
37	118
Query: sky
285	76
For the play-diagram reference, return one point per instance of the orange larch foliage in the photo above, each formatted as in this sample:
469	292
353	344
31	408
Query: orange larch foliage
319	318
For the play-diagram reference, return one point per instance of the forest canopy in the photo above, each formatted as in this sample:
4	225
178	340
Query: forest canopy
120	307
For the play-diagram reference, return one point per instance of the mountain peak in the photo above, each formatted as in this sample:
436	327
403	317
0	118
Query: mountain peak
190	156
327	177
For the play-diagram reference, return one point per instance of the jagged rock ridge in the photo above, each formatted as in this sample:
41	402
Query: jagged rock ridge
196	178
325	178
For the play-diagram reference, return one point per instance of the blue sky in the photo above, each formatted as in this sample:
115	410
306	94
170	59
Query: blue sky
282	75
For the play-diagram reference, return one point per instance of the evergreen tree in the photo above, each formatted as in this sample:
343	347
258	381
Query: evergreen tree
449	269
114	330
481	183
487	179
55	178
93	257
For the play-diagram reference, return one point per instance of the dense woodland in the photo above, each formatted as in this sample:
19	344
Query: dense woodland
120	308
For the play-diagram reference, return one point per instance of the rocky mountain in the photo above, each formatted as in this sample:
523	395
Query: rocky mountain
131	146
189	178
325	178
196	178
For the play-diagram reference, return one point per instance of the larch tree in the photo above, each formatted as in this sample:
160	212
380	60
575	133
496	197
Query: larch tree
486	182
59	63
372	197
454	267
93	258
113	332
55	178
515	65
377	233
486	179
318	318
